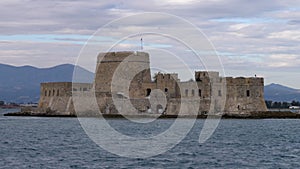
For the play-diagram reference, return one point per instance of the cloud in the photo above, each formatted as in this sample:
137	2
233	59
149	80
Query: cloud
254	35
288	35
38	54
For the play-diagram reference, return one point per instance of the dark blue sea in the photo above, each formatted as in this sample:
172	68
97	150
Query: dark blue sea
34	142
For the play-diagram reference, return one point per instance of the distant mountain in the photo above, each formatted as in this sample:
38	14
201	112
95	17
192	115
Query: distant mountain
22	84
277	92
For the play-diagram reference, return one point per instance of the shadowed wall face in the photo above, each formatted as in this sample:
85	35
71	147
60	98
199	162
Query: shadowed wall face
245	94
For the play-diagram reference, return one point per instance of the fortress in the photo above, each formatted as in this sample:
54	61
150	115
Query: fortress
123	84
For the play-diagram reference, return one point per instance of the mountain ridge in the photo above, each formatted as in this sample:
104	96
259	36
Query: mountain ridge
22	83
278	92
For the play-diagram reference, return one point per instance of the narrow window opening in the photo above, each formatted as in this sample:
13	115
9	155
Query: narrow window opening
166	90
186	92
57	93
193	92
148	91
200	93
248	93
220	93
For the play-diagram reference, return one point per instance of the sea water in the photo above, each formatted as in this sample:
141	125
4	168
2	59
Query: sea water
36	142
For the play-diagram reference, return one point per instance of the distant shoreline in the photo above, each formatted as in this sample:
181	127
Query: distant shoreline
252	115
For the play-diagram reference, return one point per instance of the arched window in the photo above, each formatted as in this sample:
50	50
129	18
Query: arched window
193	92
53	92
166	90
220	93
200	93
49	94
57	92
45	92
186	92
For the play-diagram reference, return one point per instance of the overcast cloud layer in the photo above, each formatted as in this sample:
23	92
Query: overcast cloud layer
252	37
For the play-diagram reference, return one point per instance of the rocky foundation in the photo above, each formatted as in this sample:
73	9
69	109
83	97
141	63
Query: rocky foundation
251	115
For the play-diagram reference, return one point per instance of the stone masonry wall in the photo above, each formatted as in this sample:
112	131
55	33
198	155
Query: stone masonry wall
245	95
238	95
57	96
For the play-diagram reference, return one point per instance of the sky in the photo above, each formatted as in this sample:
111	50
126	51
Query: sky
257	37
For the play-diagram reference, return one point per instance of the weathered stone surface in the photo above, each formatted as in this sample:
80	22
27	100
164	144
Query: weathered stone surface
123	83
57	97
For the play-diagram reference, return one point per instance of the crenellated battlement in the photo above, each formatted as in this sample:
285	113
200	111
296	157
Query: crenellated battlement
120	56
253	81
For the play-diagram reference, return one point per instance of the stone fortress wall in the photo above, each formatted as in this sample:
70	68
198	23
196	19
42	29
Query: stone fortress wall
133	83
57	96
245	94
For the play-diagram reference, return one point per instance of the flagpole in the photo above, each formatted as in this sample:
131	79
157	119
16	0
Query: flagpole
141	43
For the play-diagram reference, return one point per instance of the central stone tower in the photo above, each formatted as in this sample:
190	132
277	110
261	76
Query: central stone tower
121	74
